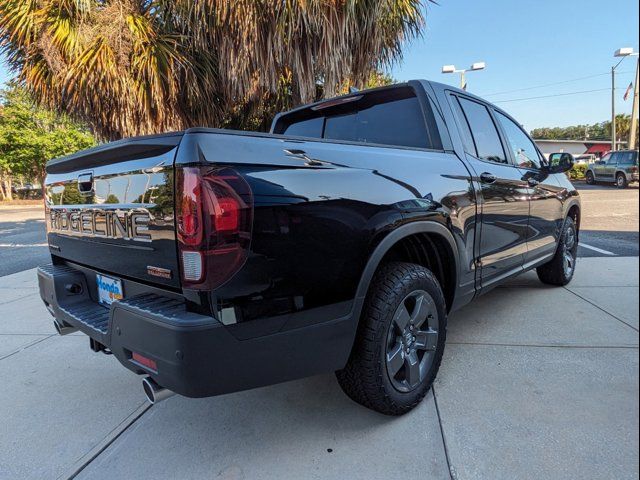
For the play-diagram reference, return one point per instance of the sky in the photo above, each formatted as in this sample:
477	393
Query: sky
528	44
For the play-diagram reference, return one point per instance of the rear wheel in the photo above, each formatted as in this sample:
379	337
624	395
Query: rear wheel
621	180
400	340
590	178
559	271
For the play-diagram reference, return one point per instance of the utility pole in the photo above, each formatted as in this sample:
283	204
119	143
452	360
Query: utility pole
634	111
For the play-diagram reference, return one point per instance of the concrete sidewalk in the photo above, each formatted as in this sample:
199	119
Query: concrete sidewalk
537	382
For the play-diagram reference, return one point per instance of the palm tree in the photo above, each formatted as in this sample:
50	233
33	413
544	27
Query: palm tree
131	67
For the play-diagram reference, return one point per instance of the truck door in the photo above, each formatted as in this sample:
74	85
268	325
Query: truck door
504	203
545	204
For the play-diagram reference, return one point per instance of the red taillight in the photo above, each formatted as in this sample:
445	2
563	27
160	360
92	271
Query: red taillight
227	216
214	209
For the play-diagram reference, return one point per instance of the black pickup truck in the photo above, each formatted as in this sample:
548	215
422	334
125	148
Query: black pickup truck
212	261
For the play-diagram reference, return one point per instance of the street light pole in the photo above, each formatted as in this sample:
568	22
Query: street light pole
621	52
634	110
613	108
463	82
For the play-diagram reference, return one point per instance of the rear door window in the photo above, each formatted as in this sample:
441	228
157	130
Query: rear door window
465	131
484	132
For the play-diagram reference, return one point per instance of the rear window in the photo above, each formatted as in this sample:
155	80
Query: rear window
388	117
307	128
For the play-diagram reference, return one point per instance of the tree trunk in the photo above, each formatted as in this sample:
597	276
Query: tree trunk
5	188
41	178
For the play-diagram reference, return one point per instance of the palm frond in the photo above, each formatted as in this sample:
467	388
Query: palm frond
141	66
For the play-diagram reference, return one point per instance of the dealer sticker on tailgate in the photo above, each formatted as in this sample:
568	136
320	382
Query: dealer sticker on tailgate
109	289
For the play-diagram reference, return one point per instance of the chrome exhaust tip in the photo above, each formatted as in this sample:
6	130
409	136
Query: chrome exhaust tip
154	392
63	328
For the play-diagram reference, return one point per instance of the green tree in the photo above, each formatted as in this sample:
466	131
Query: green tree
31	135
132	67
597	131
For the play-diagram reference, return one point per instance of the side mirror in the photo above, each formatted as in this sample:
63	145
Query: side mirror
560	162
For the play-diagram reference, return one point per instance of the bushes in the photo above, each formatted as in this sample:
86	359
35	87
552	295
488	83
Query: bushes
578	171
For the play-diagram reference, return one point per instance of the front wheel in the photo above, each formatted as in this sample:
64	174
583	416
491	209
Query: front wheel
621	181
400	340
559	271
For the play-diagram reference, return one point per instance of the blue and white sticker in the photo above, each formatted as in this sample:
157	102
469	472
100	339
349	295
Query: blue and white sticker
109	289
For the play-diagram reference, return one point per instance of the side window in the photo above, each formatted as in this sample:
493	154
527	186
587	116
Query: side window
522	147
613	159
465	131
484	132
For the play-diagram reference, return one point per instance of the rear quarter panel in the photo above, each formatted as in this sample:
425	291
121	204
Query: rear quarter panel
315	227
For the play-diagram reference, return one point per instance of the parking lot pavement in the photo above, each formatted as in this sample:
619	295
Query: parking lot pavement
537	382
609	223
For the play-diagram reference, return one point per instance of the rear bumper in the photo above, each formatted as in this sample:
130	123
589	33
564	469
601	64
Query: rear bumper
196	355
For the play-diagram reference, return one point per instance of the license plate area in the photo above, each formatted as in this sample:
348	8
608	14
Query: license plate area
109	289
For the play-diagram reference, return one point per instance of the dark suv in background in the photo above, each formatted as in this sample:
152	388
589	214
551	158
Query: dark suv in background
619	167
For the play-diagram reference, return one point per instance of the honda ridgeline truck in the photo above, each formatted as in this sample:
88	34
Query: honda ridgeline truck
212	261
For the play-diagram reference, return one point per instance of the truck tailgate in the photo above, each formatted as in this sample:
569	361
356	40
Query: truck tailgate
112	208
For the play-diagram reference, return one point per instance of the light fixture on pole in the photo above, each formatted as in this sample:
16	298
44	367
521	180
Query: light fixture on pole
452	69
621	52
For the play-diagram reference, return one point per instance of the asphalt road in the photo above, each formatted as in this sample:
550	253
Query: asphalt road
609	228
22	239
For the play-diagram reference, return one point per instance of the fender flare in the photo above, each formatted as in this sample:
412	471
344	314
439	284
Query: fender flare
424	226
570	204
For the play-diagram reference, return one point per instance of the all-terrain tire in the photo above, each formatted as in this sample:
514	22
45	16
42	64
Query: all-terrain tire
556	272
366	378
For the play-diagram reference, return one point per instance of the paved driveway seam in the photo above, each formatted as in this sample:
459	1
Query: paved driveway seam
84	461
452	473
24	347
602	309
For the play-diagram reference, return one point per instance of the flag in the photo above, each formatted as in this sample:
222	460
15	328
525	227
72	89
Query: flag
626	94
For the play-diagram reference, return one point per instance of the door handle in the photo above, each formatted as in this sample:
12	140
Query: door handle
487	177
302	155
533	182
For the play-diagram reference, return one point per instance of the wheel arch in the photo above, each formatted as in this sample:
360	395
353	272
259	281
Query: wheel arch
431	231
575	213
